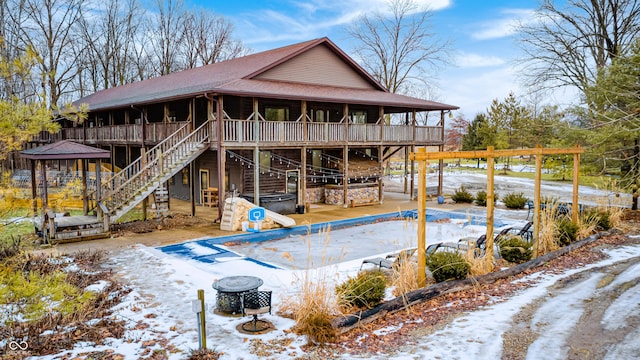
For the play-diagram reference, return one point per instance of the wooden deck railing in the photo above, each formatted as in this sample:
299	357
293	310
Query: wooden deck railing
130	134
248	132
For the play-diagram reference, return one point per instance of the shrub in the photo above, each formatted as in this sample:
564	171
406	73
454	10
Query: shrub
567	230
447	266
481	198
604	222
317	326
462	195
365	290
514	249
514	200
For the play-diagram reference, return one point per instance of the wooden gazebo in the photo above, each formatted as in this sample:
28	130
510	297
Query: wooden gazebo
70	227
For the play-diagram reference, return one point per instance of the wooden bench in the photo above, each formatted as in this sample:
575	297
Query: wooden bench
356	204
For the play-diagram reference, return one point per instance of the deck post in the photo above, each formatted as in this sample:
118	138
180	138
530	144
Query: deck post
34	192
345	180
422	220
85	200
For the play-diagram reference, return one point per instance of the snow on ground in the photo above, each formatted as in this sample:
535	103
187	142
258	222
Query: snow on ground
478	335
164	285
454	177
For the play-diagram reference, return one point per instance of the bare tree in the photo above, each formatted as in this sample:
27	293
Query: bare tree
109	38
397	49
207	39
164	35
566	46
47	27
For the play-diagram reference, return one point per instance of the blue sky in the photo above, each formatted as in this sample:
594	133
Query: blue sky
481	32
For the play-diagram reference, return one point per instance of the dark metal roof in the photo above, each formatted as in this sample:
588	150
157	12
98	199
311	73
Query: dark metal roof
65	150
236	77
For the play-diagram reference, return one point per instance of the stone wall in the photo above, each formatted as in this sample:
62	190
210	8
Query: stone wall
360	193
315	195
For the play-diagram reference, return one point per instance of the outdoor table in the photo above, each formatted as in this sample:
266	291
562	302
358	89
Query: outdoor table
230	289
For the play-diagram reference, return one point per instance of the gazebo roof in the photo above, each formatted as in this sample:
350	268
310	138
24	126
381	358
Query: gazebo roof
65	150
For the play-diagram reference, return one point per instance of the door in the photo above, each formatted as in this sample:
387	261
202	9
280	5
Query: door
293	184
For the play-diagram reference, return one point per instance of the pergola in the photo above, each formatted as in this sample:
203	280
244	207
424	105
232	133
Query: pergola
422	156
63	150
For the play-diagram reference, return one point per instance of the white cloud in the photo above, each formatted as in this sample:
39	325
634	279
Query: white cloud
469	60
504	27
312	19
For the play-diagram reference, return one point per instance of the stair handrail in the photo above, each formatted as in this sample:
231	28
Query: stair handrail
127	176
151	171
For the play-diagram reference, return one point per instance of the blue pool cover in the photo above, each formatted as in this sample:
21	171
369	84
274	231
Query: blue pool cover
184	250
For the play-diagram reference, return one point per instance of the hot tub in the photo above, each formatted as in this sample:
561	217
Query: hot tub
277	202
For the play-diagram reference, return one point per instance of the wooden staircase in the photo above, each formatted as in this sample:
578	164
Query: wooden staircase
127	188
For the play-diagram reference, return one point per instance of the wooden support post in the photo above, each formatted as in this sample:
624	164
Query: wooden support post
345	180
422	220
256	155
405	175
192	187
490	205
34	187
413	174
98	181
381	167
85	200
302	177
222	156
536	197
575	209
45	195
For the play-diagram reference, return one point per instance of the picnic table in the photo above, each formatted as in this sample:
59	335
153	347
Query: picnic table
230	289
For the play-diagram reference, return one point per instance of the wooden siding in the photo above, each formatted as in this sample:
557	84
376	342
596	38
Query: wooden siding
269	182
319	66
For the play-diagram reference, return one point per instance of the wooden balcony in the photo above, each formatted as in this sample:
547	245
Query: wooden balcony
249	133
289	133
122	134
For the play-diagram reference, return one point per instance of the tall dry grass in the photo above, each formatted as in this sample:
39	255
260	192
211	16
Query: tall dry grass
404	277
478	265
546	241
587	225
314	304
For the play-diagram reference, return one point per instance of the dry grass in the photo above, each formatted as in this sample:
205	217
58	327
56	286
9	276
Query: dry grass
587	225
314	305
404	277
546	241
478	265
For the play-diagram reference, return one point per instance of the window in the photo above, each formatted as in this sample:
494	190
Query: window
276	113
358	117
265	160
317	159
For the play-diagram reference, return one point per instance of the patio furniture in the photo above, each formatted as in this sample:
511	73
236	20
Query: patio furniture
477	244
526	232
255	303
230	289
391	260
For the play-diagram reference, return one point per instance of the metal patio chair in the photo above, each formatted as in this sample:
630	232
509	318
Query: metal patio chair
255	303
